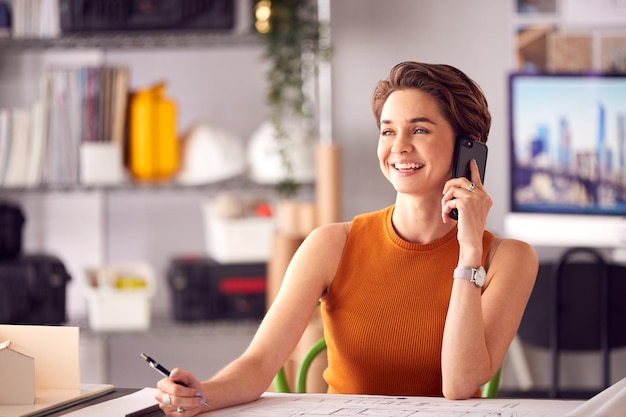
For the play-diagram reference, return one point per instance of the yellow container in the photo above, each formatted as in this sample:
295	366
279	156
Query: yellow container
154	148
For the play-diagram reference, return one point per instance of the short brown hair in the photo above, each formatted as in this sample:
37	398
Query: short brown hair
460	99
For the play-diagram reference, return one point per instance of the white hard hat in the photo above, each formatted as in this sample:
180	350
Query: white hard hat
266	166
210	154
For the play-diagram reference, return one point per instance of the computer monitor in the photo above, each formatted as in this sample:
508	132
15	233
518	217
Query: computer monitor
568	156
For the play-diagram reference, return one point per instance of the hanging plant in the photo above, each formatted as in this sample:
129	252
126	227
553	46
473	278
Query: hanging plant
291	32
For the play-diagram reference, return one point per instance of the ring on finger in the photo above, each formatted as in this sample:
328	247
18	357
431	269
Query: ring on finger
471	187
167	400
180	409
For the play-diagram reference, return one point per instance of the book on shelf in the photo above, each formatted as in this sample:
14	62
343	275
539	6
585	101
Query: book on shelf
104	98
22	146
37	146
119	103
35	18
17	164
41	144
62	104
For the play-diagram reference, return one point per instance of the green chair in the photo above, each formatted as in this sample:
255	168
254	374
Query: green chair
280	380
489	390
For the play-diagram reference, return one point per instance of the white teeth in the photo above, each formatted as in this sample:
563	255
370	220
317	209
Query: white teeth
411	165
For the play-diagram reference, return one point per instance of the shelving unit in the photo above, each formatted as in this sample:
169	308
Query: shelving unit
569	35
238	183
151	40
152	222
90	226
208	52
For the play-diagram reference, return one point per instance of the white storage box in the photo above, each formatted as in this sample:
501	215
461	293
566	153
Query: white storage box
120	298
101	163
238	240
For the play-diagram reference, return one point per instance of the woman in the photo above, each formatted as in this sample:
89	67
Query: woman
395	320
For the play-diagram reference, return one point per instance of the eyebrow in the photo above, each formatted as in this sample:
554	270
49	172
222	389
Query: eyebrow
413	120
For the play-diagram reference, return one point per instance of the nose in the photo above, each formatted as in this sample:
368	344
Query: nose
401	144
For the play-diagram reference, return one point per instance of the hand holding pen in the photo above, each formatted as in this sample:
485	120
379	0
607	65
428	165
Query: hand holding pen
159	368
166	399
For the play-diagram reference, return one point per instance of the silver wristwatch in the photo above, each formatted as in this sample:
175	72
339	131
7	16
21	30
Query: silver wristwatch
475	275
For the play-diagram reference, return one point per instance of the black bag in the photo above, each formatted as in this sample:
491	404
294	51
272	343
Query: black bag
33	290
203	289
123	15
11	225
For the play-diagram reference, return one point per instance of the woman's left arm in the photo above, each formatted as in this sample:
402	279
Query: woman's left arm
482	322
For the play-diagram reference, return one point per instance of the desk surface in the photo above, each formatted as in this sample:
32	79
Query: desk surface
319	405
116	393
611	402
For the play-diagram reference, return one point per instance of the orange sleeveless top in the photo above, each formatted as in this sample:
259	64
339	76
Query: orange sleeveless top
386	308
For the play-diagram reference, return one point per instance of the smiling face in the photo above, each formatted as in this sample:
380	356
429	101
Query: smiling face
416	143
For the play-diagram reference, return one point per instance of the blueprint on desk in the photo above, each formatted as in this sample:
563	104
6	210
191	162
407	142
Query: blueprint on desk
338	405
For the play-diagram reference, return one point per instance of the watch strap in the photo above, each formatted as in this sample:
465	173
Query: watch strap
463	272
474	275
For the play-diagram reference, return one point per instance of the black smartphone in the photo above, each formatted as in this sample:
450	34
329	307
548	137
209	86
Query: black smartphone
465	150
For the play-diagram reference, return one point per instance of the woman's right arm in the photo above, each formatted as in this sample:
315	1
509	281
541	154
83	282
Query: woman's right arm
308	275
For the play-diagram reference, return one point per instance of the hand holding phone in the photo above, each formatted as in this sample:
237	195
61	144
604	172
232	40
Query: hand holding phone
465	150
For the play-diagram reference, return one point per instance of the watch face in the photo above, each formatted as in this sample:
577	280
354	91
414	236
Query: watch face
480	276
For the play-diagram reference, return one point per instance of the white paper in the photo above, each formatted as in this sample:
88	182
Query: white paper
609	403
318	405
119	406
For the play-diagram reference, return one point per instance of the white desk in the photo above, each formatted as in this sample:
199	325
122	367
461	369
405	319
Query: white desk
609	403
321	405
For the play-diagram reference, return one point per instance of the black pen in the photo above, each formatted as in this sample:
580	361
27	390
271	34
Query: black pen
159	368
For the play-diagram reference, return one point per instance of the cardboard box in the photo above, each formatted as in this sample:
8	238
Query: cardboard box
17	384
569	53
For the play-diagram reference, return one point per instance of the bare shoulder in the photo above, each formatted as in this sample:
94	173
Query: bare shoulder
333	231
325	240
324	243
514	248
513	258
